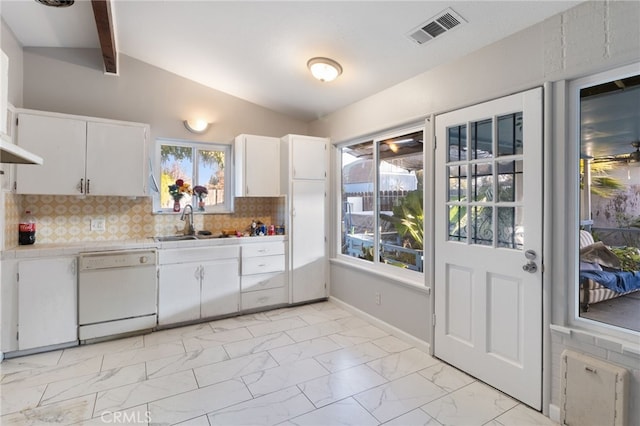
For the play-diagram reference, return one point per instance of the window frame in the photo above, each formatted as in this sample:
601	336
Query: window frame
406	275
228	206
573	204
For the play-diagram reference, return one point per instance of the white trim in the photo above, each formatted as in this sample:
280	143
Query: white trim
402	335
547	241
336	250
393	279
611	343
227	147
570	268
554	413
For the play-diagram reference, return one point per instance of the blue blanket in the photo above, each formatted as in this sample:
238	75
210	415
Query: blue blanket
619	281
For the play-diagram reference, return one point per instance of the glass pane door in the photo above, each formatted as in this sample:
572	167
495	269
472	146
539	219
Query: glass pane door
485	175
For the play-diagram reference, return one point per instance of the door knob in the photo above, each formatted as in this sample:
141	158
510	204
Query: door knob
530	267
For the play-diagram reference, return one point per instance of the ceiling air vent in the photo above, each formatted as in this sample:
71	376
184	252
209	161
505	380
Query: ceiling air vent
438	25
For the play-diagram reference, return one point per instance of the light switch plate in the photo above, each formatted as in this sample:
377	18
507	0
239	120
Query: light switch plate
98	225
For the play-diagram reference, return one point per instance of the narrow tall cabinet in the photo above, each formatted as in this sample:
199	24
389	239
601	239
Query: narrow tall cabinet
304	162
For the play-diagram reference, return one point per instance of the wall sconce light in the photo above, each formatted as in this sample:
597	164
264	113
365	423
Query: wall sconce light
324	69
198	126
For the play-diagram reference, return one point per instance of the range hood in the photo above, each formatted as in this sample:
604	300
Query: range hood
11	153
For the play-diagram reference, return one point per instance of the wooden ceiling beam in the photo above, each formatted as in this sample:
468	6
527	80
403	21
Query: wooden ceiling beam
104	24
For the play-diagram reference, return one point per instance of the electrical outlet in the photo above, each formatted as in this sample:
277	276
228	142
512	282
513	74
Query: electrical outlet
377	298
98	225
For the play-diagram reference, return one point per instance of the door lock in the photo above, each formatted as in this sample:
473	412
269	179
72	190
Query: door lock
530	267
530	254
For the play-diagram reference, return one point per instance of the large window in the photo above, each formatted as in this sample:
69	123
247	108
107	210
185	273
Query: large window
609	188
193	173
382	201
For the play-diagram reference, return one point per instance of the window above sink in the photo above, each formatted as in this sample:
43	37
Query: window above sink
205	167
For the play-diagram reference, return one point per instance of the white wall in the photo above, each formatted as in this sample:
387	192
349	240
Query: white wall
589	38
71	81
13	50
361	290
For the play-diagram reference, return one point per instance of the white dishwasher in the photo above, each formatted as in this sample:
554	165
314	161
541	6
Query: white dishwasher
117	293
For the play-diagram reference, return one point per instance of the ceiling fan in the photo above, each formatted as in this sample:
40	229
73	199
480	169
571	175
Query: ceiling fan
634	156
631	157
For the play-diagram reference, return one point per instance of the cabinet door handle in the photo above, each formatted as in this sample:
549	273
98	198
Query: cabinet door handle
88	183
198	273
82	185
247	190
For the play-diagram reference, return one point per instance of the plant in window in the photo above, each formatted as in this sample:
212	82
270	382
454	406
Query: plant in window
408	219
201	192
178	189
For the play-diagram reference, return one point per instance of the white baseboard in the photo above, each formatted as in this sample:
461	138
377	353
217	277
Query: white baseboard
394	331
554	413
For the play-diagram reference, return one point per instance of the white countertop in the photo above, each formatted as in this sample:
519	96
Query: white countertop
75	248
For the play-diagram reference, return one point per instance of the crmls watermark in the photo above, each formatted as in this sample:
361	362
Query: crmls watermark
126	418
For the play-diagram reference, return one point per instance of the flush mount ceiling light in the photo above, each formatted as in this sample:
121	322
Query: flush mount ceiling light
198	126
56	3
324	69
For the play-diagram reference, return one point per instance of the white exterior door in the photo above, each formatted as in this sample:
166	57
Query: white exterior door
488	243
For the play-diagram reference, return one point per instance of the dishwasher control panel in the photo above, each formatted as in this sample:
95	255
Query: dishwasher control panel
117	259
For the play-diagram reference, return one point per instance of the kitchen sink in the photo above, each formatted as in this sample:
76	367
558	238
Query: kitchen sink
175	238
187	237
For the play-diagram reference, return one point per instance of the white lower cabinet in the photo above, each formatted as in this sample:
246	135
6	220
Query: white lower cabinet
47	302
197	283
178	293
264	280
220	288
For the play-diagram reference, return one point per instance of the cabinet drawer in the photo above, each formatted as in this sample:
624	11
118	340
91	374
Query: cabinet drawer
262	249
261	265
263	281
261	298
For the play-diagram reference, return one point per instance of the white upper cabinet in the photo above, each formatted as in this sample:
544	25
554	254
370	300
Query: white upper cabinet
257	166
116	159
61	142
82	156
307	156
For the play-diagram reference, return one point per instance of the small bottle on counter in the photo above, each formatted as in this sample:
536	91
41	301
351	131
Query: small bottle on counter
27	229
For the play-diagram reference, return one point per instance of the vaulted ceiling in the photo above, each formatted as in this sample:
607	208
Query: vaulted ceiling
258	50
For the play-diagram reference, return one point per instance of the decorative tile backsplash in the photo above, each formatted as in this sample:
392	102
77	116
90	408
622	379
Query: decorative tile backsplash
11	219
64	219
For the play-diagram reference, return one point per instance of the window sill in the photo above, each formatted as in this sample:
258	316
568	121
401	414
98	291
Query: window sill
610	343
403	281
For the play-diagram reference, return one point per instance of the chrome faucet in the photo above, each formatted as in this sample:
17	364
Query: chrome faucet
188	220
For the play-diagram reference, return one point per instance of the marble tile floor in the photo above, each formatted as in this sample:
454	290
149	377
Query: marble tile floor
315	364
